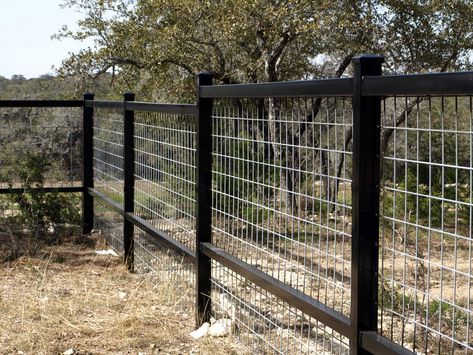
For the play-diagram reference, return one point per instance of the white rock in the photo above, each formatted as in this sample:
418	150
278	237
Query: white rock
202	331
122	295
220	328
69	352
106	252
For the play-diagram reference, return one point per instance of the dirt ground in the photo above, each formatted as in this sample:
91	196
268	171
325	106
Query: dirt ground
70	300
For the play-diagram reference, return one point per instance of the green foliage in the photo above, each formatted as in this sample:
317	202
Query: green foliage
46	216
157	46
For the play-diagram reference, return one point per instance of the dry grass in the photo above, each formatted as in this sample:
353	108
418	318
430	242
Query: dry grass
71	298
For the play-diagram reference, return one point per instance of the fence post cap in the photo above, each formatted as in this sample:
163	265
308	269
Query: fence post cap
129	96
89	96
368	58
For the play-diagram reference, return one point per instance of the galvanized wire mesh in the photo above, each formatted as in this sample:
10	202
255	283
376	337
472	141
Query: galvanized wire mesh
282	202
165	190
108	153
427	213
265	323
40	147
109	224
165	173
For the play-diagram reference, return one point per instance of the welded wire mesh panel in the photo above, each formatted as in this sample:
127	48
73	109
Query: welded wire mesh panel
40	147
109	224
282	197
426	240
266	324
152	257
165	173
108	152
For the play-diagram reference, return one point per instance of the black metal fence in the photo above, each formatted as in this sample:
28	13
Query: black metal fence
318	216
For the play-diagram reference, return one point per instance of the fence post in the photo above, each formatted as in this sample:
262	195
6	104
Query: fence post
365	202
204	199
128	181
87	165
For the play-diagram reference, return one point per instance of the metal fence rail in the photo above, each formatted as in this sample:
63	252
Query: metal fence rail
318	216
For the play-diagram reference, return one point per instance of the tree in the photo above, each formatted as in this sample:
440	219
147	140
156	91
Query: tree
156	47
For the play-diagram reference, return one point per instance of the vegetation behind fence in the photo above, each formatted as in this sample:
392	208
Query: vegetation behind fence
319	216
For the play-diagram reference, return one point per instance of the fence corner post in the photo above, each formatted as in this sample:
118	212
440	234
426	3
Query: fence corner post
365	202
203	199
87	165
128	181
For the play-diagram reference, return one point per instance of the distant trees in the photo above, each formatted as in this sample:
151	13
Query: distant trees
17	77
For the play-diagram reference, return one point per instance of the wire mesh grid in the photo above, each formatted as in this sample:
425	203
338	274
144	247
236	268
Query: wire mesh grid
108	153
163	264
165	192
40	147
265	323
282	202
165	173
426	224
109	224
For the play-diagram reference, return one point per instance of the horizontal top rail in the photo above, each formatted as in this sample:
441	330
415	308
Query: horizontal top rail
438	84
306	88
104	104
178	109
41	103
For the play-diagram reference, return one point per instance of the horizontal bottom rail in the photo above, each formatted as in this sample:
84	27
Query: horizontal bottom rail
42	189
377	344
165	239
333	319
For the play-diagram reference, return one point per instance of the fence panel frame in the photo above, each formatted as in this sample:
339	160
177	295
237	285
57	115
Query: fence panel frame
203	226
128	180
365	202
87	165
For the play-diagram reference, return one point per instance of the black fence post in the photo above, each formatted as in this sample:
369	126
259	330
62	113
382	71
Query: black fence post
204	199
128	181
87	166
365	202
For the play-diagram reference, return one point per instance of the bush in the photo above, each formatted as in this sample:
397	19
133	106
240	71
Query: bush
45	215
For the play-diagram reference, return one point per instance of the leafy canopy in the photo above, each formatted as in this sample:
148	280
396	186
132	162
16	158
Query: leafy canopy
156	47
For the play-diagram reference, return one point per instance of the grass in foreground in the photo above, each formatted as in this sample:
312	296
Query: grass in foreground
71	298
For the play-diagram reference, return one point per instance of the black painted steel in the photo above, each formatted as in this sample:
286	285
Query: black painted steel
306	88
128	180
293	297
365	202
41	103
187	110
62	189
104	104
377	344
87	166
443	84
113	205
162	237
204	200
